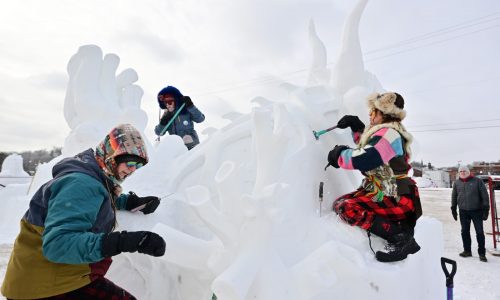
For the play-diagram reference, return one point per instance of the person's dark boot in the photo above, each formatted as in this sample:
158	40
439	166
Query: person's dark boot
384	228
400	241
399	247
465	254
483	258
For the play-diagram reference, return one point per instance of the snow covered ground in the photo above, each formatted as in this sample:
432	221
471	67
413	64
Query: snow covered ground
474	279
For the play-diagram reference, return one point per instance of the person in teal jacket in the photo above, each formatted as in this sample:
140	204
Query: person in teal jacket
170	99
66	240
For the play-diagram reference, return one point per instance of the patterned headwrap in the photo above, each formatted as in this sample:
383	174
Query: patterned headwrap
124	139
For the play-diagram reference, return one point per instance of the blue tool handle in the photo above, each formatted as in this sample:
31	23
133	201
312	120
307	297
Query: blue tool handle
172	120
449	295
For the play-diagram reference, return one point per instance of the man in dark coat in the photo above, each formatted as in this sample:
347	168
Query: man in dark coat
471	196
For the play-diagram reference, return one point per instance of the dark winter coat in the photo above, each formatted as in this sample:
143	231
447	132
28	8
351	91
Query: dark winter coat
183	124
469	194
59	246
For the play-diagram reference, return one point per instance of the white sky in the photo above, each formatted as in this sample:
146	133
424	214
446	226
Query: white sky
217	49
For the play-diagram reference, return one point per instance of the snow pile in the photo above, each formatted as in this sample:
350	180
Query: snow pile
241	212
13	204
12	166
12	170
424	182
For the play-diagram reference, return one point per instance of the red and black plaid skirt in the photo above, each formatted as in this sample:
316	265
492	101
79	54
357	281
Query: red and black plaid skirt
358	209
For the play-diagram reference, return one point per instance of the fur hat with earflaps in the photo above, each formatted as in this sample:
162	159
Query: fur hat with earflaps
389	103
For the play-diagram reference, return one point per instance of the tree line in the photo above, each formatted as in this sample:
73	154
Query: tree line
31	159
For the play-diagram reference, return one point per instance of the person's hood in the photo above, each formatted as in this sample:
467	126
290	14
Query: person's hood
171	90
124	139
83	162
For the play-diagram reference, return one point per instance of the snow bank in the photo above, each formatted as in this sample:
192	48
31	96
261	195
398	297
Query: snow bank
12	170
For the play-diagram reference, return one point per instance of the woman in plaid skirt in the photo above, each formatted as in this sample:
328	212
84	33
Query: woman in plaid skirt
387	203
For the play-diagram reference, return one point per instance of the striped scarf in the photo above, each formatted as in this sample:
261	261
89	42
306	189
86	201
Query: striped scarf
381	181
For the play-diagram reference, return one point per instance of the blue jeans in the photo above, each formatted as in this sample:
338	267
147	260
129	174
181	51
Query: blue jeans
476	216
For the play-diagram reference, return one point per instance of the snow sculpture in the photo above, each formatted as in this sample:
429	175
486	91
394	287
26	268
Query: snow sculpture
97	99
319	74
253	186
240	213
349	77
12	171
12	166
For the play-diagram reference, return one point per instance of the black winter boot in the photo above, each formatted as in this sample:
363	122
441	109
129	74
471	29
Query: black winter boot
465	254
399	246
384	228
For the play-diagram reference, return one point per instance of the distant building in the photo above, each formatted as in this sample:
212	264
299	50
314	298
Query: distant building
477	168
485	168
439	178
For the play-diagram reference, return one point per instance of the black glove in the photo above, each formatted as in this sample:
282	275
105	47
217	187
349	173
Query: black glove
145	204
187	100
485	215
166	117
351	121
146	242
454	213
333	156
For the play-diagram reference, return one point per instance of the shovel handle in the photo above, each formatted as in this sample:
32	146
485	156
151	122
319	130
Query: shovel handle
449	276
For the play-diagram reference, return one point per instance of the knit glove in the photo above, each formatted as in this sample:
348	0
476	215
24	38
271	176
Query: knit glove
333	156
454	213
166	117
146	242
485	214
187	101
145	204
351	121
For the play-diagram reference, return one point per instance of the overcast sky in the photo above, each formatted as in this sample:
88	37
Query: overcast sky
442	56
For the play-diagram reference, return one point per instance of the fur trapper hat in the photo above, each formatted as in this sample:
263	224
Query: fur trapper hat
389	103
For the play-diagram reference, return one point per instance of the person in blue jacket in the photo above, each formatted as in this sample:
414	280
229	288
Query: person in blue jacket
170	100
67	235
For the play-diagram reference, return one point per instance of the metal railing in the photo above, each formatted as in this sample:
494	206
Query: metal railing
494	212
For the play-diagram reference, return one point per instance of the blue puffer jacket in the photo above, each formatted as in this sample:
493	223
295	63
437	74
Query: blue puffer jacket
183	124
